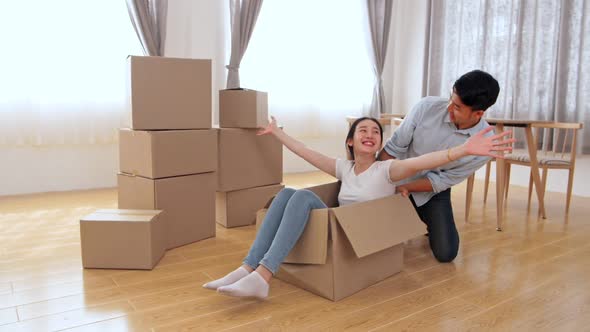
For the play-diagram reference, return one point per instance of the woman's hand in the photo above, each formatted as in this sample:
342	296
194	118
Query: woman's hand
270	129
480	145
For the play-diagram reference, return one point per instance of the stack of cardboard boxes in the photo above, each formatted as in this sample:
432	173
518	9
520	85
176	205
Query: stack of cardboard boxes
250	166
168	158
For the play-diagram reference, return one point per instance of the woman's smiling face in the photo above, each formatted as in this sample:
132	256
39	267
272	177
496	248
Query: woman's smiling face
366	139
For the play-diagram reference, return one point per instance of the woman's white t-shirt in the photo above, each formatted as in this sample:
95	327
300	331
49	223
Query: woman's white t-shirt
371	184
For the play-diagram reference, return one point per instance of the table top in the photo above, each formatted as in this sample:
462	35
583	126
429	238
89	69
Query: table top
384	119
515	123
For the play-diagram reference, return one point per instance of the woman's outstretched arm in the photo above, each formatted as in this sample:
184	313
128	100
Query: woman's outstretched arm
478	145
322	162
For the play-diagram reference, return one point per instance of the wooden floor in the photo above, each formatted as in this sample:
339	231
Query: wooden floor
532	276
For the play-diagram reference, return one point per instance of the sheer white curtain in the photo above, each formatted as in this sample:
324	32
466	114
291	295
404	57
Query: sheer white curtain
538	50
312	58
62	71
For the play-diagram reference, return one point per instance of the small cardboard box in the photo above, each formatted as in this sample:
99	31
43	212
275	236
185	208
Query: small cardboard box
169	93
188	203
241	108
122	239
346	249
247	160
239	207
166	153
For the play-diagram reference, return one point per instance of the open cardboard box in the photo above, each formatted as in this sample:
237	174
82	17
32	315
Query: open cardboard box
346	249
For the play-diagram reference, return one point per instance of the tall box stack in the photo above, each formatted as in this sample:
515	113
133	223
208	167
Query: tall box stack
250	168
168	157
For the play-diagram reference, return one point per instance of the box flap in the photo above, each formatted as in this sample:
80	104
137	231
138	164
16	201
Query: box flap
379	224
327	192
312	246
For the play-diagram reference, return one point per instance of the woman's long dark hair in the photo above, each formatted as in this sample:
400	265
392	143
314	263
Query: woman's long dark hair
352	130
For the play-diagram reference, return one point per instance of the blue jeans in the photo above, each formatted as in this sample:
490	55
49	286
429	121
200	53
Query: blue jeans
284	222
437	214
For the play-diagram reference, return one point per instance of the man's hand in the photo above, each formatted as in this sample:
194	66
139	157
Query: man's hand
384	155
402	191
480	145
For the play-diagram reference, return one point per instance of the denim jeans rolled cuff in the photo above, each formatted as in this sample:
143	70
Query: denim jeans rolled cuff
283	224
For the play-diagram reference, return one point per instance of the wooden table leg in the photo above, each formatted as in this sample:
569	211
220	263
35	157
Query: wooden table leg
469	196
500	168
532	146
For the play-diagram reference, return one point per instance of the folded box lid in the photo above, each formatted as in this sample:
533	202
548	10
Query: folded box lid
379	224
312	245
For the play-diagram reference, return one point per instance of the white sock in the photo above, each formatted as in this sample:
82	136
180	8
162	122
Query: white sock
253	285
229	279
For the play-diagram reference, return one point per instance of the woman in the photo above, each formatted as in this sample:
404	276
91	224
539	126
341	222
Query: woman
363	178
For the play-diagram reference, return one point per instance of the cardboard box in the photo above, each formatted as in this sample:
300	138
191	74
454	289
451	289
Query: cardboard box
122	239
247	160
241	108
239	207
159	154
169	93
346	249
188	203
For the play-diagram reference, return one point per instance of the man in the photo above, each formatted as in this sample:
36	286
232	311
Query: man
437	123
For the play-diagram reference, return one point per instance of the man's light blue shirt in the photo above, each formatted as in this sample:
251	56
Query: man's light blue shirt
428	128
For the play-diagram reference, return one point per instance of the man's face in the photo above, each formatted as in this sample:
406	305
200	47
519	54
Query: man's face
462	115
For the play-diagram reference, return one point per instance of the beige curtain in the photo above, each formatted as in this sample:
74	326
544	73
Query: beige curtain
379	14
149	20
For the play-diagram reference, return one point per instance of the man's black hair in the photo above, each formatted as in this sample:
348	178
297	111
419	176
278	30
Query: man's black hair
477	89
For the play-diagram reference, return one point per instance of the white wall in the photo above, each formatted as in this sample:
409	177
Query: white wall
196	29
28	170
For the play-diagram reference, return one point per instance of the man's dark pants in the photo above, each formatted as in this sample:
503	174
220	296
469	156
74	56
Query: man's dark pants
437	214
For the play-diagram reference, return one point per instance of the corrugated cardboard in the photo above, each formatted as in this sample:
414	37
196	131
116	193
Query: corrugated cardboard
241	108
247	160
238	208
166	153
188	203
169	93
122	239
346	249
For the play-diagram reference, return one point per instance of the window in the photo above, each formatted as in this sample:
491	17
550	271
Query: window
63	71
312	58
